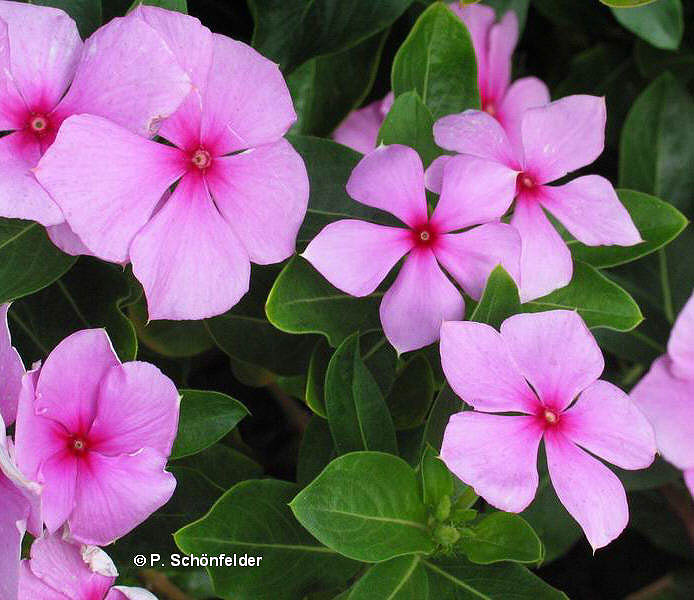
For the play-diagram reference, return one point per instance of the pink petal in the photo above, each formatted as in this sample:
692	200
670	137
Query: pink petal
591	493
503	38
524	93
433	177
107	181
246	100
391	178
474	191
45	50
13	514
479	368
128	75
58	475
13	109
546	263
689	480
563	136
263	194
607	423
479	20
21	196
359	130
137	408
478	133
590	209
117	493
188	259
66	239
11	371
470	257
668	403
120	592
355	256
32	587
68	383
496	455
420	299
555	352
680	346
60	566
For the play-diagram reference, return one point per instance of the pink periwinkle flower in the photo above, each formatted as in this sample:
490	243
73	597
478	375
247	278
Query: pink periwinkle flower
359	130
355	256
60	569
11	371
96	434
123	72
242	189
666	396
555	139
567	406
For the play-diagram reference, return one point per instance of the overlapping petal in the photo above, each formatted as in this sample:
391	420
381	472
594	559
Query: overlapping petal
58	475
13	515
359	130
503	37
11	372
680	346
524	93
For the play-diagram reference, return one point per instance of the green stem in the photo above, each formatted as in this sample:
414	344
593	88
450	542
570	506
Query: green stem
665	285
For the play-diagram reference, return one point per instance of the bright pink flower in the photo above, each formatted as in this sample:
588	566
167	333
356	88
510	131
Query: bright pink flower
61	570
96	434
359	130
11	371
355	256
555	139
497	454
124	72
190	250
666	396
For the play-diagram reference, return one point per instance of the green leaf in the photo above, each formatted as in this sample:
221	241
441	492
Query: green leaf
366	505
410	122
302	301
316	451
499	301
357	414
205	418
659	23
90	295
290	32
28	259
437	60
327	88
626	3
458	579
253	518
245	333
657	221
600	301
177	5
412	393
446	404
437	481
86	13
401	578
501	536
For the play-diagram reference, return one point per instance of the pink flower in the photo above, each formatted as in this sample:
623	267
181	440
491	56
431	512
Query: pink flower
359	130
555	139
496	454
190	250
96	434
666	396
355	256
59	569
124	72
11	371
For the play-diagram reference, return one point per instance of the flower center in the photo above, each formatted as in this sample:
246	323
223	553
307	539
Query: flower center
78	445
201	159
490	109
550	417
526	181
423	236
39	124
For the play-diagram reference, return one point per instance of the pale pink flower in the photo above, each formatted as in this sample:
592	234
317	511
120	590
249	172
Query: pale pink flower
567	406
11	371
62	570
96	434
192	249
359	130
355	256
124	72
666	396
555	139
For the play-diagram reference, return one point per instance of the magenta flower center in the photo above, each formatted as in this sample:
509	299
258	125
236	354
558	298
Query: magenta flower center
526	181
77	445
39	124
424	236
201	158
489	108
550	417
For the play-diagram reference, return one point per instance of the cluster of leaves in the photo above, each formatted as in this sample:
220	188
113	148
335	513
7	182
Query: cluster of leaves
374	513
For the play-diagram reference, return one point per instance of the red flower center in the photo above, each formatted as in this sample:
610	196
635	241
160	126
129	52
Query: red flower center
551	418
490	109
77	445
201	158
424	236
39	124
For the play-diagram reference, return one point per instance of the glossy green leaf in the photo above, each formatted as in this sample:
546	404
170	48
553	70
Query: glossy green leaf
600	301
290	32
92	294
366	505
658	223
412	393
401	578
500	537
437	60
499	301
28	260
357	414
86	13
660	23
205	418
177	5
253	518
316	451
437	481
626	3
410	123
